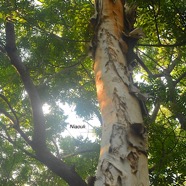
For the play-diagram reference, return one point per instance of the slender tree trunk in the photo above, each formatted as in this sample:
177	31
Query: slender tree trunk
123	157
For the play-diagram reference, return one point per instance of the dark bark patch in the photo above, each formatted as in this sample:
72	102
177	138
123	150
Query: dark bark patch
133	159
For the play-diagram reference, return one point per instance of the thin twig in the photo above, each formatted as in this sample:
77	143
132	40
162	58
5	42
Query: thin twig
57	149
163	45
10	107
23	150
7	115
156	23
180	78
77	153
151	59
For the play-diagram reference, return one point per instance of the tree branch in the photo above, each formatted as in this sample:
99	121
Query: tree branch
6	132
174	63
7	115
151	59
144	66
155	112
12	110
20	148
23	135
163	45
156	23
38	117
76	153
39	139
57	149
180	78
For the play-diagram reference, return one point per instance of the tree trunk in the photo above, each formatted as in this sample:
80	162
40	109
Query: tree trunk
123	157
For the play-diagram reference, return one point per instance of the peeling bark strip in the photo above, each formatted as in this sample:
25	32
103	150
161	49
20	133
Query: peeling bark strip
123	159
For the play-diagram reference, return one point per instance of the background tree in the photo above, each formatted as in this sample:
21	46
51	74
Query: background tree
52	40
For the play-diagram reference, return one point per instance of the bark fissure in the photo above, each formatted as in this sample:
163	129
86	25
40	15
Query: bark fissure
121	109
114	61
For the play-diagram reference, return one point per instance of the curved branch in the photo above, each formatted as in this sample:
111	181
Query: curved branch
2	111
23	135
38	117
12	110
39	139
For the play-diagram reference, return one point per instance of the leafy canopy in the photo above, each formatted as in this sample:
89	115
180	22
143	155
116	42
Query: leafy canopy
53	38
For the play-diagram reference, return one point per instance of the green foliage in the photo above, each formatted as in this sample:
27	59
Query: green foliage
86	162
166	149
163	53
52	38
